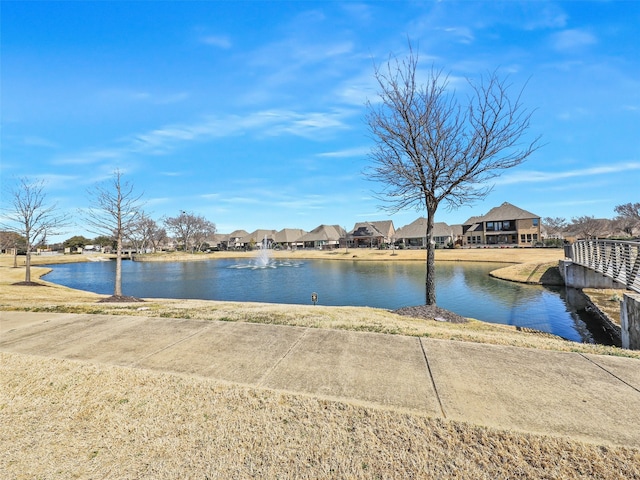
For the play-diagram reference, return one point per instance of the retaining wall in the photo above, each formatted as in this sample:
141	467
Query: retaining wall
630	321
577	276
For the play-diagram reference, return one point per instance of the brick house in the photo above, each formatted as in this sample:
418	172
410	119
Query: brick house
503	225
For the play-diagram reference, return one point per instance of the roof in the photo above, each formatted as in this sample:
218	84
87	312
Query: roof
258	236
418	229
217	238
288	235
238	234
383	228
475	227
323	232
506	211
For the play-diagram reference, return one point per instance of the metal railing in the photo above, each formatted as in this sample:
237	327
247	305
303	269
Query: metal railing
618	260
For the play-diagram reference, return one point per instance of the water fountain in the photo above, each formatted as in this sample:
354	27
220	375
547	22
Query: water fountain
263	258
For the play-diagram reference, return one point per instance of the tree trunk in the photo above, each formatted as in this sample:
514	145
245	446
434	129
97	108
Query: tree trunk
27	263
117	291
430	281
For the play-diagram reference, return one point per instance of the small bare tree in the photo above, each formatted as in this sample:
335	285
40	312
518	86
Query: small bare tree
555	225
588	226
114	210
11	241
205	231
146	234
31	218
628	217
190	230
432	149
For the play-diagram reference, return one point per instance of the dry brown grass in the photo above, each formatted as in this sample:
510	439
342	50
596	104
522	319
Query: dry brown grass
65	419
506	255
607	300
531	272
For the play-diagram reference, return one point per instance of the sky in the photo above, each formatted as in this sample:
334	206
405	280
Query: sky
252	114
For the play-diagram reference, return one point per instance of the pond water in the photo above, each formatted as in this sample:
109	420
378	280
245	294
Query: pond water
462	287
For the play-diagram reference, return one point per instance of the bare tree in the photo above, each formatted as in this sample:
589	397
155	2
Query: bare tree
31	218
189	229
628	217
136	235
205	231
431	148
146	234
590	227
114	210
555	225
156	235
11	241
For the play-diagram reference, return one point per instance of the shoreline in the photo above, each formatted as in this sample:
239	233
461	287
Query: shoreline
499	255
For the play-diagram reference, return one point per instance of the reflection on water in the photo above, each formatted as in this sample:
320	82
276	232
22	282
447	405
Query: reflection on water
462	287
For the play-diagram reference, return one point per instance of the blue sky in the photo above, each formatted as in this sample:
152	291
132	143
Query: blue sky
252	113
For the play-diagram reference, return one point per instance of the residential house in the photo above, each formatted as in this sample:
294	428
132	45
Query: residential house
371	234
258	238
503	225
323	237
414	235
289	238
216	241
233	240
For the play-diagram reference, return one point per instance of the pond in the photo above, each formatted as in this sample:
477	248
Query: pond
462	287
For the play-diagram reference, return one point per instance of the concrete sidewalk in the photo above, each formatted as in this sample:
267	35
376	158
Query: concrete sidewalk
587	397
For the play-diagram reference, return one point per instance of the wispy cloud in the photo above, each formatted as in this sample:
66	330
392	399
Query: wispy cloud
210	196
220	41
549	16
89	157
572	39
267	123
540	177
461	34
346	153
126	95
171	174
358	11
572	203
35	141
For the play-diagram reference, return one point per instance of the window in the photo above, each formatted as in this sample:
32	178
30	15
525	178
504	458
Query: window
522	238
490	226
536	221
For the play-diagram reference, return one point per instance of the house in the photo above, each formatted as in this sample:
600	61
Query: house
257	238
232	241
323	237
216	241
371	234
289	238
414	235
503	225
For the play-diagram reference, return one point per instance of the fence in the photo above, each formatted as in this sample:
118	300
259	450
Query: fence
618	260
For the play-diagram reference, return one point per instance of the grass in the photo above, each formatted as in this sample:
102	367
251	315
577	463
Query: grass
607	300
64	419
